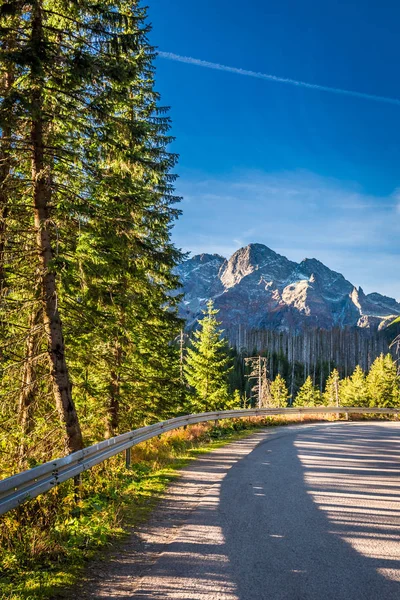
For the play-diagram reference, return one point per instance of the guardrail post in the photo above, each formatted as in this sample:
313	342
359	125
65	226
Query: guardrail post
77	488
128	458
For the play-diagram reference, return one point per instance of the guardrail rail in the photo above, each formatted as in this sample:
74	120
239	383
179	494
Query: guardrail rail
31	483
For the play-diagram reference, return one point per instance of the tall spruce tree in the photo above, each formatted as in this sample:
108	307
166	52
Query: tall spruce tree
208	364
28	111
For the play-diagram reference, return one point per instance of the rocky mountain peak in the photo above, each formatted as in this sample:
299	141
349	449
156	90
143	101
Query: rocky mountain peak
259	288
312	266
200	261
203	259
255	257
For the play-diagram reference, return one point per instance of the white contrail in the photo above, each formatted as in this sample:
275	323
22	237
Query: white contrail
313	86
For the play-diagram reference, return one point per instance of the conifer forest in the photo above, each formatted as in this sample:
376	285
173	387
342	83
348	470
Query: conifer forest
87	202
91	344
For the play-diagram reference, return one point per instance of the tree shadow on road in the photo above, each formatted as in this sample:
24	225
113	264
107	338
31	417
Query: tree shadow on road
311	513
327	530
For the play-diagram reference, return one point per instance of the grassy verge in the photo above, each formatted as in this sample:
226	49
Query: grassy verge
46	543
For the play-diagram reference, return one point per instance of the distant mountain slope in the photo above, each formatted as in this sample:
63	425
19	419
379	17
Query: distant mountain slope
260	289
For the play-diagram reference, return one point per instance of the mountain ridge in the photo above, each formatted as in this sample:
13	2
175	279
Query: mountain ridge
258	288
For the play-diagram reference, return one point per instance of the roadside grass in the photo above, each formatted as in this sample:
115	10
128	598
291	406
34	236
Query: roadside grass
46	543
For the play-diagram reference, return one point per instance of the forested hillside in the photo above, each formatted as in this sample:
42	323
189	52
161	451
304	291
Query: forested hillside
314	352
377	386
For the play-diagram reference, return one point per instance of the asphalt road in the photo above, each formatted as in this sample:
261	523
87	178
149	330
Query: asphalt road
299	513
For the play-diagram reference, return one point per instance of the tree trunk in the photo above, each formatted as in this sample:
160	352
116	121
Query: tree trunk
5	168
29	385
4	172
114	394
42	192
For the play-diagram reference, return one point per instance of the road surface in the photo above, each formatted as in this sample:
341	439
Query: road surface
295	513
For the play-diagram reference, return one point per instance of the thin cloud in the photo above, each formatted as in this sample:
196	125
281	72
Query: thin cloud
254	206
312	86
365	206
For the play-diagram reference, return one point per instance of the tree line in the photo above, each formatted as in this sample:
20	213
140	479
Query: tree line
380	387
209	365
318	351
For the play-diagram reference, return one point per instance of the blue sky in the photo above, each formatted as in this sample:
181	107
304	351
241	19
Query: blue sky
310	173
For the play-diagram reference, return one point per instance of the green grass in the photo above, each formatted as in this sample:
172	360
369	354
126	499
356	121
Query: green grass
46	543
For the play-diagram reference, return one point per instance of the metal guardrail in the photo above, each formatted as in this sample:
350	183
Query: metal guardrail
27	485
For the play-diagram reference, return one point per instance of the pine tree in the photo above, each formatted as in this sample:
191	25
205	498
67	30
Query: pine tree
331	395
354	390
308	394
279	393
208	364
128	271
383	382
35	132
236	401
